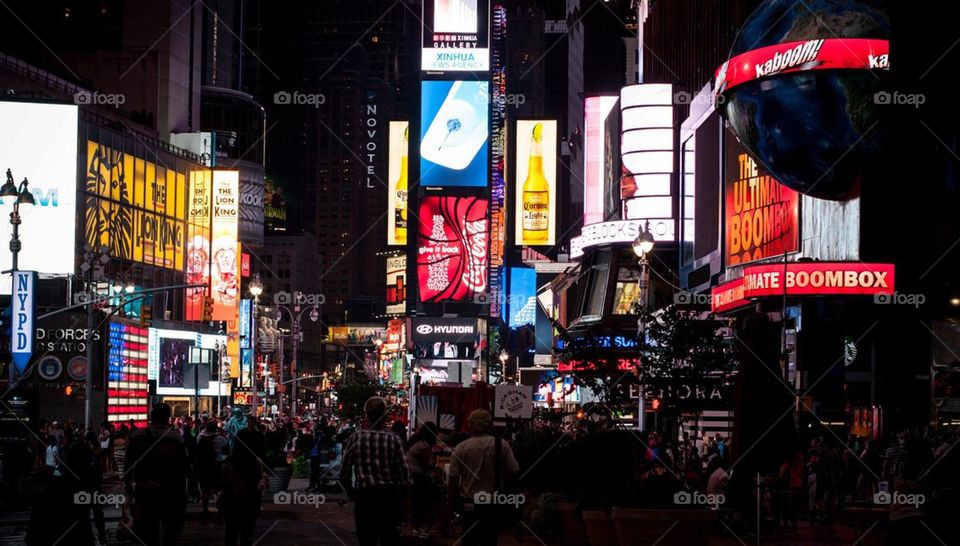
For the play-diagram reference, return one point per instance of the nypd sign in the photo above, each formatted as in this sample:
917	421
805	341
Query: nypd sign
22	318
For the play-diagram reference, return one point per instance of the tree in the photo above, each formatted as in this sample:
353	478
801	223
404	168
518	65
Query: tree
353	394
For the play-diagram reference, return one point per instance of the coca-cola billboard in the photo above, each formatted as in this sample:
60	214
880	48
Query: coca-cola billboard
452	248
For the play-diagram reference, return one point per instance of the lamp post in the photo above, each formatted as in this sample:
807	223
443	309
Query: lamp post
20	195
256	288
295	333
642	246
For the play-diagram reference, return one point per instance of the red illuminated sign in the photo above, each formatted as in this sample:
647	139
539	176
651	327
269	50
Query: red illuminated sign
804	279
762	215
452	248
622	364
789	57
244	265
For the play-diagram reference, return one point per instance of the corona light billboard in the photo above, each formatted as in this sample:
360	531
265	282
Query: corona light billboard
536	183
762	215
134	207
456	36
397	163
452	249
225	275
39	142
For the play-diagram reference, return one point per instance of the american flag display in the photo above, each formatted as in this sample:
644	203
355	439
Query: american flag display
127	374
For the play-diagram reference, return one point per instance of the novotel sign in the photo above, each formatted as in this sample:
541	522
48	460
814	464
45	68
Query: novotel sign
804	279
620	231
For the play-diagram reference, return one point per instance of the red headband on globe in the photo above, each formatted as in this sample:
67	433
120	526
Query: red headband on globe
789	57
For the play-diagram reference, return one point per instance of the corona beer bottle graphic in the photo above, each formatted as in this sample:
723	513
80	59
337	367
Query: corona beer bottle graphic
400	209
536	194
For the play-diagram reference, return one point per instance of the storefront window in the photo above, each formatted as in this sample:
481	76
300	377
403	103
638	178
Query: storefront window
627	292
596	288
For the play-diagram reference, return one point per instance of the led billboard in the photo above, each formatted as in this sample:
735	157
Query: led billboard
225	278
523	297
396	284
197	270
452	249
596	110
762	215
127	374
535	202
454	133
135	207
168	361
456	36
397	167
39	143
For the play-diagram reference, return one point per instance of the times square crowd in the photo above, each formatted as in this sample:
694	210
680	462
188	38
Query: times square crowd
427	484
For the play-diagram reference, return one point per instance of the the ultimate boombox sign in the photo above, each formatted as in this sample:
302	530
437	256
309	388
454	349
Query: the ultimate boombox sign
804	279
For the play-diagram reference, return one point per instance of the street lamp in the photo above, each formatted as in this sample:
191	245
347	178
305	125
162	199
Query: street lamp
256	288
20	196
642	247
296	314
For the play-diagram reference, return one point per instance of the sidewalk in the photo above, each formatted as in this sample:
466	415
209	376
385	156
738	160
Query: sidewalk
331	523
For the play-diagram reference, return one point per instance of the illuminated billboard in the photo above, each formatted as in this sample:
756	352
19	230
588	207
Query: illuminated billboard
762	215
396	284
39	143
535	203
397	167
452	249
197	270
127	374
168	361
523	297
596	110
456	36
135	207
225	279
454	133
646	153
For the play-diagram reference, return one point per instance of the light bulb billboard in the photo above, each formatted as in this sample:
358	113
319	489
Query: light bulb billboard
397	170
452	249
456	36
454	134
39	142
535	179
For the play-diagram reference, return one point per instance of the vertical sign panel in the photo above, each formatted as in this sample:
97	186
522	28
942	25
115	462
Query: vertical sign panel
452	249
198	242
22	303
397	179
498	158
225	277
536	183
595	113
396	284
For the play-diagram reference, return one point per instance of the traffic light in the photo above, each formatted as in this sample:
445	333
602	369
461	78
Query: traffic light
207	309
68	390
146	314
655	404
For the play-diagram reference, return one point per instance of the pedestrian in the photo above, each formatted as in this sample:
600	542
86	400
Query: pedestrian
421	462
480	467
157	468
211	454
242	485
51	458
375	475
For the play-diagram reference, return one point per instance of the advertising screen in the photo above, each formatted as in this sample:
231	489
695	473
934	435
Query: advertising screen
535	202
762	215
397	167
523	296
396	284
225	280
596	110
452	249
197	269
454	133
456	36
168	361
39	143
135	207
550	387
127	374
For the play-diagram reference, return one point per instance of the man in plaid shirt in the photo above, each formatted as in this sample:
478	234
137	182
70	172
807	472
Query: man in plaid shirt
375	474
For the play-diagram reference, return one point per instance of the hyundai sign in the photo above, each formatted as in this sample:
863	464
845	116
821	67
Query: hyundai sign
455	330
